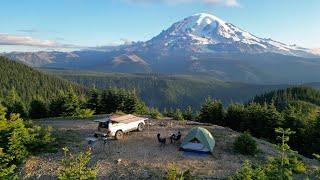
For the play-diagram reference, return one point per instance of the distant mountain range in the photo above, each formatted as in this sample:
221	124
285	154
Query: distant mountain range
199	44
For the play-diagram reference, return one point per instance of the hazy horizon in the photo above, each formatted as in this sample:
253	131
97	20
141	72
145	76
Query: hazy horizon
70	25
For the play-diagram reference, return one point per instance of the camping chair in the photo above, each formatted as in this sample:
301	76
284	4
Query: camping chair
175	137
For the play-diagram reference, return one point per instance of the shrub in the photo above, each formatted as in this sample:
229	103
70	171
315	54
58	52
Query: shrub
174	174
154	113
85	113
245	144
18	139
246	172
38	109
76	167
178	115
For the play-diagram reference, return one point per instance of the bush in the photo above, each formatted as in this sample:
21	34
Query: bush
178	115
211	111
174	174
38	109
248	173
18	139
245	144
85	113
154	113
76	167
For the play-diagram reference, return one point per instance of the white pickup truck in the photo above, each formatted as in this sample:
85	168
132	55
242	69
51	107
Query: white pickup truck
117	125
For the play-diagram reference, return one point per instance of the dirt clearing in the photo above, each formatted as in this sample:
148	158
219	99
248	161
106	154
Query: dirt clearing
139	155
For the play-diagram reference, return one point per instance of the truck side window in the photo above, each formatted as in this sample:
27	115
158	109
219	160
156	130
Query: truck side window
103	124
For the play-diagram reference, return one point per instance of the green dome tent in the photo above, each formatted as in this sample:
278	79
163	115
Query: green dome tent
198	140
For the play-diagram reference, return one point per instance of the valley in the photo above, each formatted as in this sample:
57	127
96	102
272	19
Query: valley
169	90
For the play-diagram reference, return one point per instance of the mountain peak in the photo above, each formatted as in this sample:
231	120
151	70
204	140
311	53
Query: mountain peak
207	33
206	16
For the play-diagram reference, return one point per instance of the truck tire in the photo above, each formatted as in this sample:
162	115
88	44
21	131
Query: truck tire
140	127
119	135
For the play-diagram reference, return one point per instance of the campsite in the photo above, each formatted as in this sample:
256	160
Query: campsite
140	156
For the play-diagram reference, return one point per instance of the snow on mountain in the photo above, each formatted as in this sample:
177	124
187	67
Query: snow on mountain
315	51
207	33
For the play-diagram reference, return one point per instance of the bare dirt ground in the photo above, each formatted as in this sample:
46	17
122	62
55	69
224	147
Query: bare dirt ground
141	155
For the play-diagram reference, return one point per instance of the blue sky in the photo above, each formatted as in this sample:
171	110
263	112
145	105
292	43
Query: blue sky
28	25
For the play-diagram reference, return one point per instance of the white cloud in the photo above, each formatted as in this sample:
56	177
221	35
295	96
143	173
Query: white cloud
229	3
7	39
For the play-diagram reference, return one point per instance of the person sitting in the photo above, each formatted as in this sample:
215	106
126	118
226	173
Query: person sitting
175	137
162	141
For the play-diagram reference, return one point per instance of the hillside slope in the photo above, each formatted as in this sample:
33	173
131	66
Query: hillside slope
30	83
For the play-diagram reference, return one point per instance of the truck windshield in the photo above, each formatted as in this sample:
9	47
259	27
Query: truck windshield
104	124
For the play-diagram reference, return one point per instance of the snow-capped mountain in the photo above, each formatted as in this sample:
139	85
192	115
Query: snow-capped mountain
206	33
201	43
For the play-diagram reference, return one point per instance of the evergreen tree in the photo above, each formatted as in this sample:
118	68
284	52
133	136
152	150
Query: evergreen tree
66	104
188	114
93	101
38	109
178	115
14	104
76	167
234	116
211	111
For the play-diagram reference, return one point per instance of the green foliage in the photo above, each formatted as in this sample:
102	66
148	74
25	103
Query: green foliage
302	120
113	100
246	172
188	113
168	113
69	104
261	120
281	98
280	167
30	83
94	100
284	165
76	167
154	113
38	109
173	173
18	139
177	115
316	171
85	113
14	104
164	90
235	116
245	144
211	111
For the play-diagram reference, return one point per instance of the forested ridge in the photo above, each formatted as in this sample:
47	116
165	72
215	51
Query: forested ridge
283	97
30	83
169	90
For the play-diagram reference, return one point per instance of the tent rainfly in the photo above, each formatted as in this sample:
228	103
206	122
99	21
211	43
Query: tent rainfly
198	140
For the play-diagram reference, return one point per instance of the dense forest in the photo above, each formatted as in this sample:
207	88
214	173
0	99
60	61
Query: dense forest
165	90
284	97
29	83
295	108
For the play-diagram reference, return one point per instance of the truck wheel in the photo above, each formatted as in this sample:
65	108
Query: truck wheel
140	127
119	135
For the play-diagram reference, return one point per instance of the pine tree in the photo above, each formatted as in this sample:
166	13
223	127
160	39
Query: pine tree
178	115
38	109
211	111
188	114
94	101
